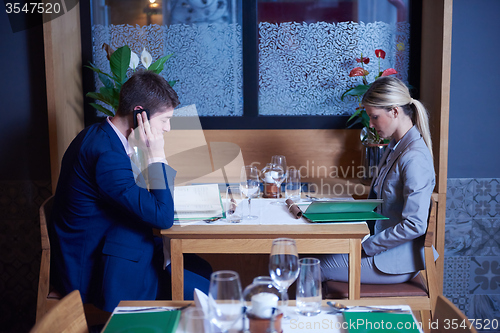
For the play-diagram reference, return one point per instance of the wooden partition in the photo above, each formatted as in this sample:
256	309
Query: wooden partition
63	70
330	159
435	94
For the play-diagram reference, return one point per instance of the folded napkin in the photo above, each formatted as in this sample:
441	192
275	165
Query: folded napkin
201	302
293	208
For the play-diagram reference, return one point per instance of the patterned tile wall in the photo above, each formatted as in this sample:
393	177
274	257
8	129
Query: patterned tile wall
472	249
20	252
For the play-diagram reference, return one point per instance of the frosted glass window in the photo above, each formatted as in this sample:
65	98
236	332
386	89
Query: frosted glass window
205	37
307	49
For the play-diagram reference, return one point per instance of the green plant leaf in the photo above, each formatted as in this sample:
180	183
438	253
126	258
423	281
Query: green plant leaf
172	83
119	62
106	81
98	71
365	119
359	90
100	97
102	109
357	121
158	65
354	115
112	96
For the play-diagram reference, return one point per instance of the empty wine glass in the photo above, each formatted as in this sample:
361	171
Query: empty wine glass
279	161
225	301
249	185
284	266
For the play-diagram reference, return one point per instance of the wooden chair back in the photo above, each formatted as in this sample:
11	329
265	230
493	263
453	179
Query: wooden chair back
448	318
66	316
420	293
48	296
46	300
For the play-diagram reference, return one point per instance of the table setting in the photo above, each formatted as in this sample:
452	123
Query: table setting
263	306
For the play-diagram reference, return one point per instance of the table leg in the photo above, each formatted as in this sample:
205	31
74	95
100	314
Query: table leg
177	265
354	268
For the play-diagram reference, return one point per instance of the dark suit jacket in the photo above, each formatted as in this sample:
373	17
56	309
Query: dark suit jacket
102	240
407	185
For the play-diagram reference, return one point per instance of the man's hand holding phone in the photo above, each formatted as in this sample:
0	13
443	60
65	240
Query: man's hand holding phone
147	138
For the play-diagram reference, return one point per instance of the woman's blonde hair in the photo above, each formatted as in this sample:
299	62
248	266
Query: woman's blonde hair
388	92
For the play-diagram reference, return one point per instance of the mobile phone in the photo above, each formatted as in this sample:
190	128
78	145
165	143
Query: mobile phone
136	112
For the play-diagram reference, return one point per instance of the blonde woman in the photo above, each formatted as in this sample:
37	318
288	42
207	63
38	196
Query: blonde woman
394	251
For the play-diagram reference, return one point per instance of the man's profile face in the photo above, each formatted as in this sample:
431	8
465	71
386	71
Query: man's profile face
161	119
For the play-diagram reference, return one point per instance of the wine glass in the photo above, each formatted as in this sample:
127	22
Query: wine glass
284	266
279	161
249	185
225	301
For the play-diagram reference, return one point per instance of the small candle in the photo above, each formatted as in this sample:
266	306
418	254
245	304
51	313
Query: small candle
269	176
263	304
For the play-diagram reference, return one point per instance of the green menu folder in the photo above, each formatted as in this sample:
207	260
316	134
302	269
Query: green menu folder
374	322
343	211
144	322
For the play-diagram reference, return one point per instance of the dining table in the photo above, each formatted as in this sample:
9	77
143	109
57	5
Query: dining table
328	320
256	237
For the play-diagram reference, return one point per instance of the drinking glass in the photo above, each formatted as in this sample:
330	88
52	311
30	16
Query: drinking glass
293	185
233	199
279	161
249	185
225	302
284	266
309	287
194	321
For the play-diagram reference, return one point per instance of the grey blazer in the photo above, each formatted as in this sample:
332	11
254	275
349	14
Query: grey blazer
407	184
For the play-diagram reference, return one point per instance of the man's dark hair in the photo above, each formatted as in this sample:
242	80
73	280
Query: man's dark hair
147	89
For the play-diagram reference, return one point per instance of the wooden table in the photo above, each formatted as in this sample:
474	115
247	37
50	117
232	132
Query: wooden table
257	239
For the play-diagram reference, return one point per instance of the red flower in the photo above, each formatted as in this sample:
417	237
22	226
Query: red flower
363	59
379	53
388	71
358	71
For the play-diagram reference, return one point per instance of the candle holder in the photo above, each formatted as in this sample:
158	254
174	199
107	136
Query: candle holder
261	298
261	325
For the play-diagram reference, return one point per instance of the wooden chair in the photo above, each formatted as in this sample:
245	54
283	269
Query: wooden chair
447	315
66	316
48	296
420	293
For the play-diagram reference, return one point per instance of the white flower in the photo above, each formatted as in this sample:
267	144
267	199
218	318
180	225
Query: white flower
134	61
146	58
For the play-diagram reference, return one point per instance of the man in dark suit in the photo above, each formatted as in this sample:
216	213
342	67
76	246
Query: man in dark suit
102	237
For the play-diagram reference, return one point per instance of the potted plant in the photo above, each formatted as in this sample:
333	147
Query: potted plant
373	144
119	62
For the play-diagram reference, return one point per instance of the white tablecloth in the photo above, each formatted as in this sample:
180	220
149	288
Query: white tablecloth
267	213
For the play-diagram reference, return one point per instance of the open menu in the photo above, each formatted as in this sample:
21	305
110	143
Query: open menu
197	202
